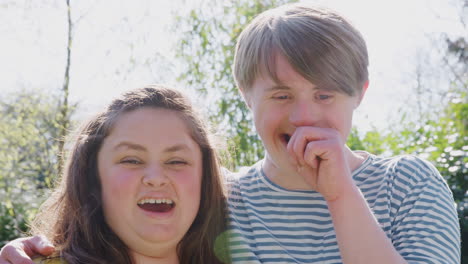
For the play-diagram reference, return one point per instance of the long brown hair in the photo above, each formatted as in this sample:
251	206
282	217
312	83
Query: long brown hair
72	218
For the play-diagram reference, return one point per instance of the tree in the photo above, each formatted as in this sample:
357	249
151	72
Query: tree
206	51
29	136
62	117
439	135
443	141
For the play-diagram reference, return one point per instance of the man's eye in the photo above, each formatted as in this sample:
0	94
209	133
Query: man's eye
323	97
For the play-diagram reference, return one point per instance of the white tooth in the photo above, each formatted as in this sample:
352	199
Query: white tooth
156	201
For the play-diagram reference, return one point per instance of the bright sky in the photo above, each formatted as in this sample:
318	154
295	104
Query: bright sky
119	45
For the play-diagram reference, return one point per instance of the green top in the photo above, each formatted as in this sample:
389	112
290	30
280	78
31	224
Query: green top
49	260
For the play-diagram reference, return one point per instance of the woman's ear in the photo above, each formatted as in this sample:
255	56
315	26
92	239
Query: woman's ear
246	97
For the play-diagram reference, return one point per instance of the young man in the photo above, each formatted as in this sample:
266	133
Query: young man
302	72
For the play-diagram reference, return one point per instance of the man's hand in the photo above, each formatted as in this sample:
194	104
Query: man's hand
21	250
321	159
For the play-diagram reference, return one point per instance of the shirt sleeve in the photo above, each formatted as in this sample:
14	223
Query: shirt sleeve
426	227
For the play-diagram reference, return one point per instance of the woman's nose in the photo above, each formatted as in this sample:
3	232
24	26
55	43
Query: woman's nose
155	176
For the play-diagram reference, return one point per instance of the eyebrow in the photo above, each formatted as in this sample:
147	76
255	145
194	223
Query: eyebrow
281	87
177	147
129	145
133	146
278	87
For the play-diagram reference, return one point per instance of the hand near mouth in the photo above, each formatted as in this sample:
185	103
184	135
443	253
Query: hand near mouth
321	158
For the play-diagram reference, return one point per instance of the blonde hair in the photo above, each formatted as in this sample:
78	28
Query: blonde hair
318	43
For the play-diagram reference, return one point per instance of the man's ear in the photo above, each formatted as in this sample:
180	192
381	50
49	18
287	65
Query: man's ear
363	92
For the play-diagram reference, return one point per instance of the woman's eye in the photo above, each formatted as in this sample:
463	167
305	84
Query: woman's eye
176	162
281	97
130	161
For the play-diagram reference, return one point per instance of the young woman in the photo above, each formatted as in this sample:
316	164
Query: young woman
142	185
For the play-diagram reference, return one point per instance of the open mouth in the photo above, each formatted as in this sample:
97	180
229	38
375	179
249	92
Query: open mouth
286	138
156	205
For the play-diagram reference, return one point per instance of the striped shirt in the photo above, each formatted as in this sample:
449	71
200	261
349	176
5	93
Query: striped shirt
409	198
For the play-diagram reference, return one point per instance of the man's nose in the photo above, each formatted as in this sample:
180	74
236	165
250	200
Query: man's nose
304	113
155	176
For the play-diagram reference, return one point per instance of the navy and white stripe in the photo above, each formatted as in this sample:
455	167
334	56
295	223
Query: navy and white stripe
409	198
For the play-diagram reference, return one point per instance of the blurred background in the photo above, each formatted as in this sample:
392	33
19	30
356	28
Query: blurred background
62	60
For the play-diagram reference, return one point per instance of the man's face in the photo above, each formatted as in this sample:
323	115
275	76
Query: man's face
279	109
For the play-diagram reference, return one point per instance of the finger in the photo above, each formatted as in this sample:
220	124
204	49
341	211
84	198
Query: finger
38	245
318	151
311	155
291	148
298	147
12	254
302	136
20	251
297	144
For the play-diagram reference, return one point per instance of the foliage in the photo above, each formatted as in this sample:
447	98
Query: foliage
29	122
206	52
442	139
206	49
29	130
372	141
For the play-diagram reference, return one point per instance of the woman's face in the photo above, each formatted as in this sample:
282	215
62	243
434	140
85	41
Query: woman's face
150	170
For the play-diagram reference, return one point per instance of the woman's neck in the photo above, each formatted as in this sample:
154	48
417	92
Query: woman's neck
170	258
